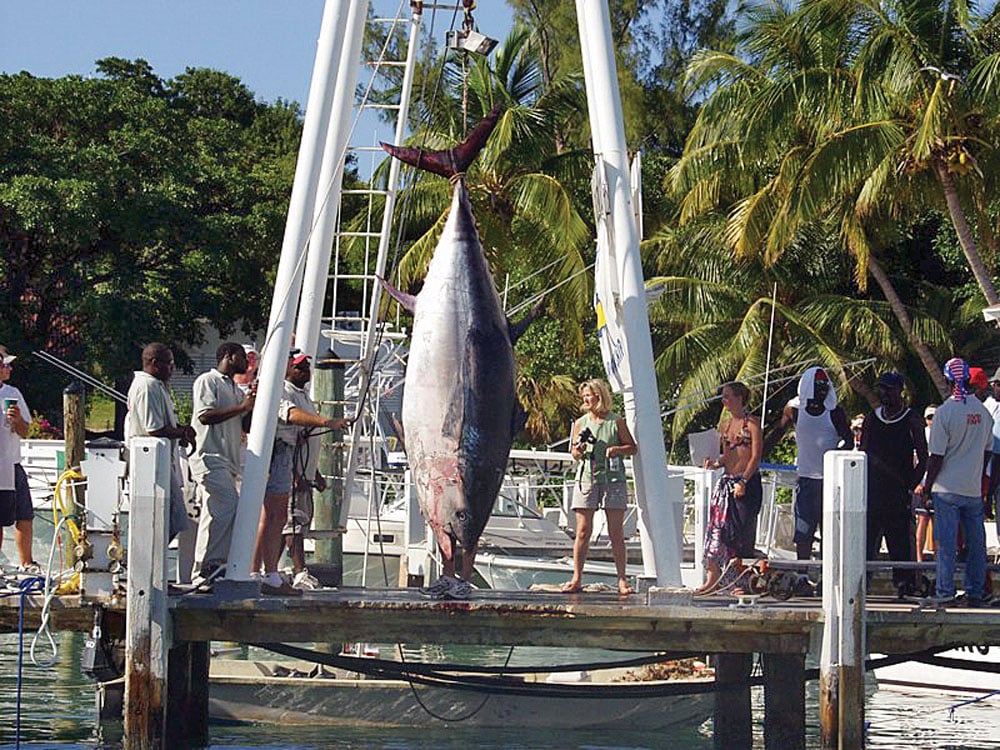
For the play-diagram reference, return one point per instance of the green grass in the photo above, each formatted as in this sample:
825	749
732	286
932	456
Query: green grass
100	413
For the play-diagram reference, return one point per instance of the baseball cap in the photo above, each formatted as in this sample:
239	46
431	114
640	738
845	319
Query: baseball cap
298	359
930	411
6	357
250	348
996	376
891	379
977	377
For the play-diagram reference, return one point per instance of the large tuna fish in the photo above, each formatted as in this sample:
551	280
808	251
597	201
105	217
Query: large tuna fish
459	404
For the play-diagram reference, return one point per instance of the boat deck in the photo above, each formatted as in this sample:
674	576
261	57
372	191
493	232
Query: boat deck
653	621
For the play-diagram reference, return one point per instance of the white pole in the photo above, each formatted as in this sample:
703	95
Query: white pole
842	674
274	357
327	210
767	365
659	513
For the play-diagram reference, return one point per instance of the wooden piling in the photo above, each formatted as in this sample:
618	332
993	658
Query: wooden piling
328	388
74	432
784	701
187	695
733	718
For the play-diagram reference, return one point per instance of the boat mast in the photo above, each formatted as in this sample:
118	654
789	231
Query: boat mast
274	357
659	513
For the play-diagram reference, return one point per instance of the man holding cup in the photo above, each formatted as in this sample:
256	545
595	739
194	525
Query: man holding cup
15	499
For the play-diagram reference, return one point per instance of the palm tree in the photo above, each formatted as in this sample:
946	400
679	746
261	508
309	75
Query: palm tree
796	133
717	314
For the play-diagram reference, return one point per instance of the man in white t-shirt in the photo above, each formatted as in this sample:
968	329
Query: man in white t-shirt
15	498
961	441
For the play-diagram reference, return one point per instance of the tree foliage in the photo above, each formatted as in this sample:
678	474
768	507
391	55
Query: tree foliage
134	208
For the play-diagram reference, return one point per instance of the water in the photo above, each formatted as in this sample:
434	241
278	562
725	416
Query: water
57	711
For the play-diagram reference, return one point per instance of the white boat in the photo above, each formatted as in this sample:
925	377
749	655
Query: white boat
303	693
953	671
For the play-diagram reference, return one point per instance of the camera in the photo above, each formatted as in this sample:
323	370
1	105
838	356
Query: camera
585	438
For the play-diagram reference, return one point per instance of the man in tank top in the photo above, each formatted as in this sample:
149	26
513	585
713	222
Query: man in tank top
891	436
820	426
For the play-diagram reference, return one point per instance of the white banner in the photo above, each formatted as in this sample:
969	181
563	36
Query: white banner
614	352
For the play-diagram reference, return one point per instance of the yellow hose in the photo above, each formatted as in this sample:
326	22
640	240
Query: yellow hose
60	507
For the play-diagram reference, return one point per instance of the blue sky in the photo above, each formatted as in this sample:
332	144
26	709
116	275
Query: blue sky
268	44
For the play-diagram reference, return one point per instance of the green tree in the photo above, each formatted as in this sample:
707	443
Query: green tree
135	209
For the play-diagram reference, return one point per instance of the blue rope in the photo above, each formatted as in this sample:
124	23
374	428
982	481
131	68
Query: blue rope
951	710
27	586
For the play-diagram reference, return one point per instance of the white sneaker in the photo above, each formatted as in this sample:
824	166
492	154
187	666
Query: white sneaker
303	580
29	570
437	589
272	579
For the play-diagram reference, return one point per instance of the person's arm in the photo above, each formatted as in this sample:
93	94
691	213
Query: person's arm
839	418
626	443
574	447
302	418
16	420
919	447
934	464
185	434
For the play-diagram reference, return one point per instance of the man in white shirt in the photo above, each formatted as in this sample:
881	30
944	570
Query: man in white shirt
15	498
151	413
220	414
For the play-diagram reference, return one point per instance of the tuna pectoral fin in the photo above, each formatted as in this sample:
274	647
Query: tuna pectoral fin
452	161
516	330
408	301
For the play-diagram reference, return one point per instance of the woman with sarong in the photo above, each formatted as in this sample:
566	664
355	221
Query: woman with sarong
731	527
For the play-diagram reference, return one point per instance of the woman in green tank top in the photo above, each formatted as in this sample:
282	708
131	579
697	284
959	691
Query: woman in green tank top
599	442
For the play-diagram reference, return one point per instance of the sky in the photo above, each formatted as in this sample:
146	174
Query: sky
268	44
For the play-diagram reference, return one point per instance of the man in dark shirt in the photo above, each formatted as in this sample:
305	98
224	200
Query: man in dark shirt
893	438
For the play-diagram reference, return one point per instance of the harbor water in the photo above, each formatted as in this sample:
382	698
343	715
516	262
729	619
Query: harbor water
57	709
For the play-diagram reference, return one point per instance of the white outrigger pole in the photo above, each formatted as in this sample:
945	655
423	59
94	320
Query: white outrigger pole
659	512
298	226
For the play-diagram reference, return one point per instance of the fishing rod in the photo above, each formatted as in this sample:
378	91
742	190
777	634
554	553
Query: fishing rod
86	378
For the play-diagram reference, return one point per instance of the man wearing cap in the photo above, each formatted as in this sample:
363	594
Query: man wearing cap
820	426
220	414
15	498
961	440
294	454
891	435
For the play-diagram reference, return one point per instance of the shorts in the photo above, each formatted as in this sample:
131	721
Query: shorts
15	504
300	512
808	508
607	495
279	480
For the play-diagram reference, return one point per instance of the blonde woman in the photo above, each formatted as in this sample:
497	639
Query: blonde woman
599	441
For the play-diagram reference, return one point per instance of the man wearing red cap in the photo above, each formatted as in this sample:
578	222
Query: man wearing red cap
297	418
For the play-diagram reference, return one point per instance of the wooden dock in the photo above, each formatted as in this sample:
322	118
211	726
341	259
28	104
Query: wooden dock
711	624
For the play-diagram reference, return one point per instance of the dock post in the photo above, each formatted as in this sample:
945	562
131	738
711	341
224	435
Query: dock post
75	433
147	628
784	701
733	718
187	695
328	389
842	674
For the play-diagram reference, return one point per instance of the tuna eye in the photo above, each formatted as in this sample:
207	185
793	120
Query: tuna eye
462	515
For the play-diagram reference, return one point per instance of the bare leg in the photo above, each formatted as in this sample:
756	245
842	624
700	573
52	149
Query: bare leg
448	566
269	541
921	536
22	538
713	572
469	562
295	545
581	544
616	531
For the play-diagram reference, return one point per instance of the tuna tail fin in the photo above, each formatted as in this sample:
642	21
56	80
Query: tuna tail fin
452	161
408	301
516	330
